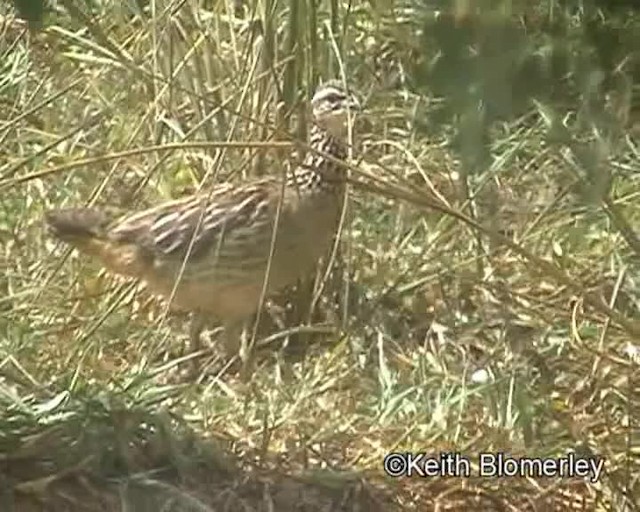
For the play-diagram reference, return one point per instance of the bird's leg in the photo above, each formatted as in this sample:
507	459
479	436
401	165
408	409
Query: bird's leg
237	341
196	327
246	352
232	339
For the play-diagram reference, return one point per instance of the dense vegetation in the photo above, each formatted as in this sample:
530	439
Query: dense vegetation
485	293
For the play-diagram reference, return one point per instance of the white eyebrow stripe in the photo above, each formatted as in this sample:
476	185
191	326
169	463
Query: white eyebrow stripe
329	91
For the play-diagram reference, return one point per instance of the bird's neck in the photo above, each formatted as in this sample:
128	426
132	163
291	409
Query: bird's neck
317	169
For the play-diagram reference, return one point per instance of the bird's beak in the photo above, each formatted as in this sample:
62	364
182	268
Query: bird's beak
354	105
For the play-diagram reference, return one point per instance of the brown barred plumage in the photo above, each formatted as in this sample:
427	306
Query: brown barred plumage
209	252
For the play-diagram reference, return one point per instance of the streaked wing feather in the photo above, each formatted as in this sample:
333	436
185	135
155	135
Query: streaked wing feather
197	222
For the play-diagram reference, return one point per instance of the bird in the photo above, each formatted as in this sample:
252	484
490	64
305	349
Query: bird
218	253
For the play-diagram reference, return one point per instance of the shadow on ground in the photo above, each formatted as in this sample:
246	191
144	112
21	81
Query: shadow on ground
134	461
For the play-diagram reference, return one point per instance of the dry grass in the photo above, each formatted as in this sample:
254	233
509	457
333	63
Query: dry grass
467	312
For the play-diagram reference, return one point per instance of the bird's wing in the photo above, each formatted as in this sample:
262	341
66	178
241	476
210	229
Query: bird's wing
193	225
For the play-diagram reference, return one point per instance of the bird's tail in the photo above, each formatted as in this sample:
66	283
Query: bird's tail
88	230
72	225
83	228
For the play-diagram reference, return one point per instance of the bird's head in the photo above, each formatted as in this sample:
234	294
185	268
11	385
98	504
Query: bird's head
333	104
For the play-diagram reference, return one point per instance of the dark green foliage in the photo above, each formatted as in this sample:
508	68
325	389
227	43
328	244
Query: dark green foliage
488	66
507	61
31	10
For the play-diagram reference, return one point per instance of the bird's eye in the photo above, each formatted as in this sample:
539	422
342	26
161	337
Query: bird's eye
335	97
